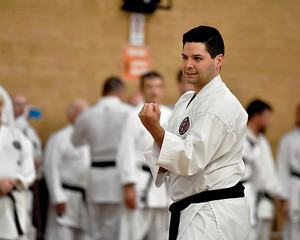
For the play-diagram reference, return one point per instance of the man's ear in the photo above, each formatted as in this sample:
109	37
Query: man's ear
219	61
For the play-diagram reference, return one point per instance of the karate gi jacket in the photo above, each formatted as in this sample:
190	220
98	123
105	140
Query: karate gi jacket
288	160
66	164
136	140
100	127
202	147
16	161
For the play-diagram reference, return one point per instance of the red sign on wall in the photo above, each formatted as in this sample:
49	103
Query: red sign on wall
136	60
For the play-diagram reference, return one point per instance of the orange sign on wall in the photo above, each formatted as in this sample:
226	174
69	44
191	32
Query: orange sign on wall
136	60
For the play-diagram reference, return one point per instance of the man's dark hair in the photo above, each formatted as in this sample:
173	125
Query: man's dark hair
179	76
257	106
112	84
149	75
209	36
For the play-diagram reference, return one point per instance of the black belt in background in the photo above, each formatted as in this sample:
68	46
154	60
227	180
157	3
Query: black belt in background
17	222
236	191
295	174
144	197
76	189
146	168
104	164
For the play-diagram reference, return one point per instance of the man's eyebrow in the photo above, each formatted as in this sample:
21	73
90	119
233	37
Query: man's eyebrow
195	55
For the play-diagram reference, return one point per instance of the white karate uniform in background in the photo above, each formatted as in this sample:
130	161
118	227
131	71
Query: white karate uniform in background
205	155
69	165
22	124
16	162
264	179
100	127
149	218
288	158
7	111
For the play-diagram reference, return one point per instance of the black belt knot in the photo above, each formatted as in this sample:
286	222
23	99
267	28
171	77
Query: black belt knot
236	191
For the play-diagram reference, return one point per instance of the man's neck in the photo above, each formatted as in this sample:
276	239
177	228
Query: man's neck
254	129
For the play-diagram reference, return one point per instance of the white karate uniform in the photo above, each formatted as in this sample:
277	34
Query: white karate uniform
16	161
202	150
7	116
65	164
135	140
288	158
263	178
22	124
100	127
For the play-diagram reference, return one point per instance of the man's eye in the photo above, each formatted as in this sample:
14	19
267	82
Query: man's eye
197	58
184	58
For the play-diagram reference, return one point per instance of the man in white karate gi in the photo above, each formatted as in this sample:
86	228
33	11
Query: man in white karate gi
200	149
100	127
261	179
17	173
145	211
288	157
66	169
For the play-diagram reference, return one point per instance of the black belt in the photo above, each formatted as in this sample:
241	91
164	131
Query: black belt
76	189
144	197
17	222
295	174
236	191
146	168
104	164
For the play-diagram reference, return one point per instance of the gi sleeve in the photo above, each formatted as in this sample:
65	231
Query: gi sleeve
283	161
270	180
53	158
190	155
126	156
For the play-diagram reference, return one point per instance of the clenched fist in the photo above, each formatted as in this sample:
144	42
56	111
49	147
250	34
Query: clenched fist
150	116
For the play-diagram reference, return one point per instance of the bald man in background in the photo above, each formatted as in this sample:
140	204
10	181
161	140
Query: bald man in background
66	169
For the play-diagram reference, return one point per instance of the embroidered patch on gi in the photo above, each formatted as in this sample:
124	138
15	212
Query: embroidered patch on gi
184	126
17	145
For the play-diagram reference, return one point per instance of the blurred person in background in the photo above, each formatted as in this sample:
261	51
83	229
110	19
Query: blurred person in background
135	99
21	108
100	127
66	168
145	211
288	157
8	114
183	86
17	173
261	180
